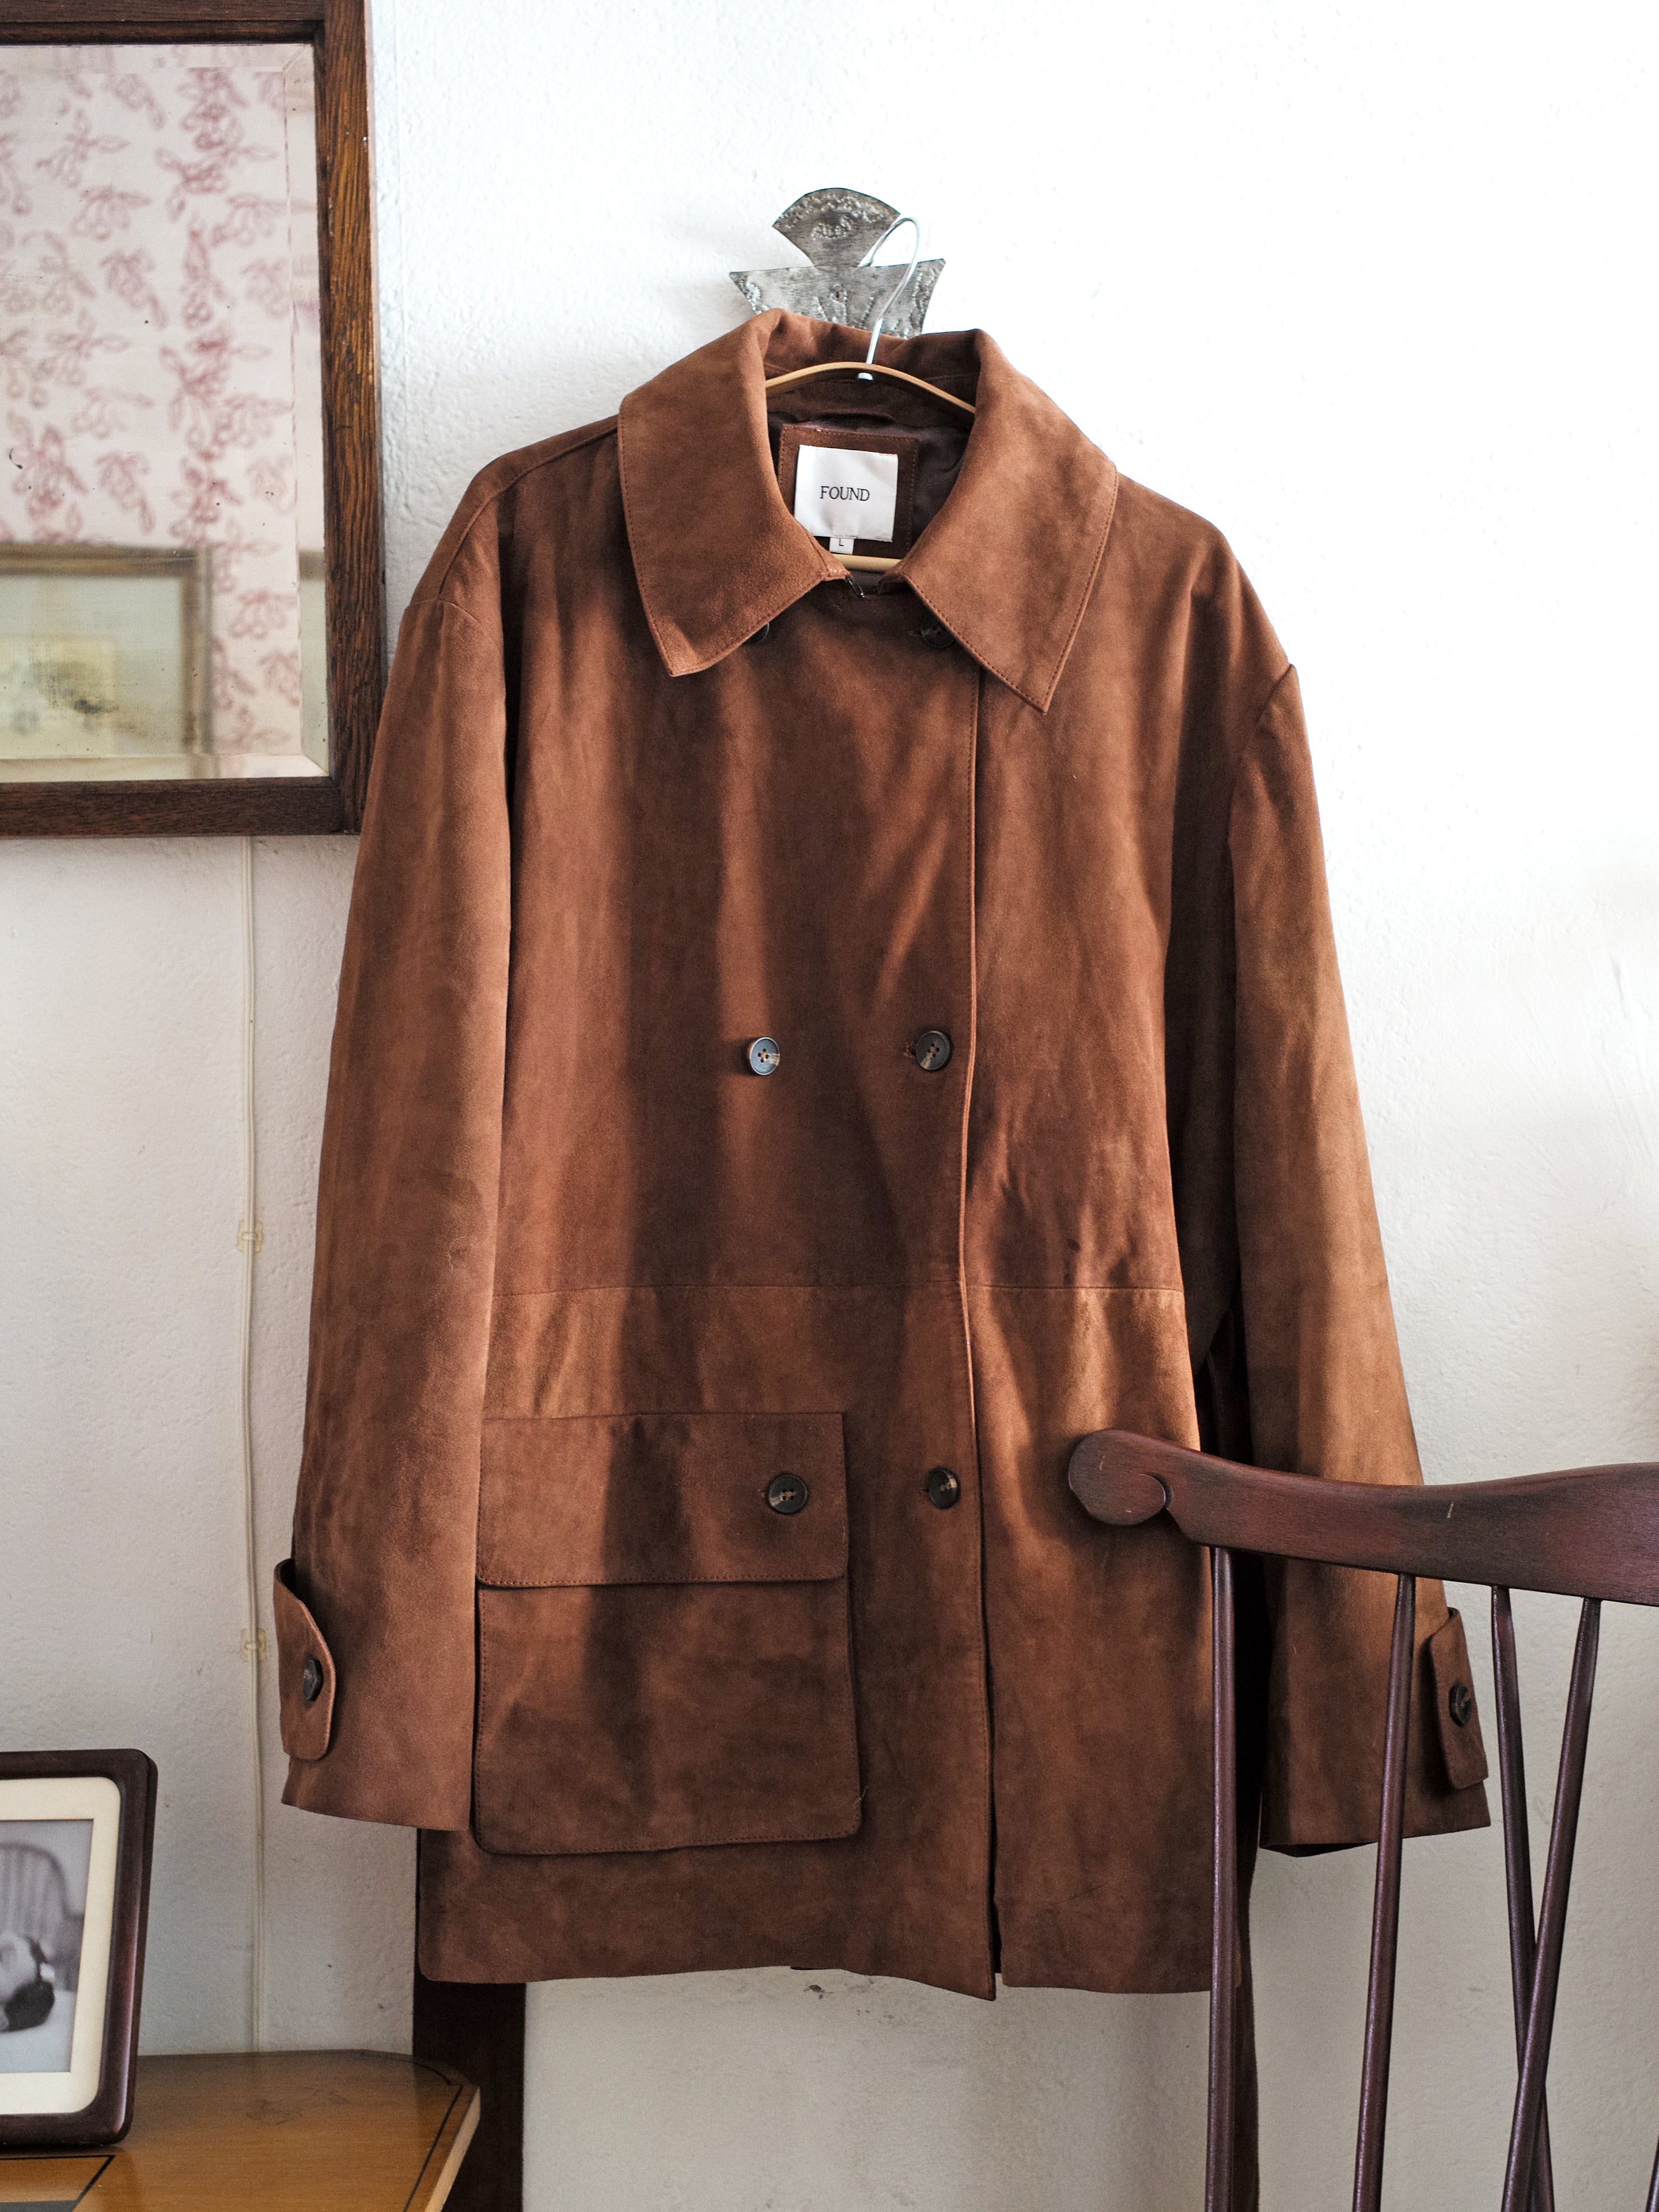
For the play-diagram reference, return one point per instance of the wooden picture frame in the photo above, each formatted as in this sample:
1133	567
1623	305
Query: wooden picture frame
80	1903
337	32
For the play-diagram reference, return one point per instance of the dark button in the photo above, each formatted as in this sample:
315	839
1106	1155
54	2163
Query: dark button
311	1679
1460	1703
761	633
764	1055
934	636
787	1493
932	1050
942	1487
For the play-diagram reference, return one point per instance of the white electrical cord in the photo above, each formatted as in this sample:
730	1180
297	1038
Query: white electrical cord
250	1235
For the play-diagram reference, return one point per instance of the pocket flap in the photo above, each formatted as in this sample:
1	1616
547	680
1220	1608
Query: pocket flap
662	1497
304	1671
1460	1742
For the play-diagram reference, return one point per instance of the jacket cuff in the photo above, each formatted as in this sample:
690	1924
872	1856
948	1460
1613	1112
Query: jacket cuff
377	1727
1322	1785
304	1672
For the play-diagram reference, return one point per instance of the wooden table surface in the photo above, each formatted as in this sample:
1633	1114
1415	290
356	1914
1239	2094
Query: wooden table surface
272	2131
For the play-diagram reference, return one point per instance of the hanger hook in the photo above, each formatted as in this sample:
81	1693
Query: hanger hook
898	223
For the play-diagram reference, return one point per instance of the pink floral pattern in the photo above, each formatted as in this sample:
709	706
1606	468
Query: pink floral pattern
157	289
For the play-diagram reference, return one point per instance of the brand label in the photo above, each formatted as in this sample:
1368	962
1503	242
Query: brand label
843	494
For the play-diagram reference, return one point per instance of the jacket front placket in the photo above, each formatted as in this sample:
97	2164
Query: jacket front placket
918	1552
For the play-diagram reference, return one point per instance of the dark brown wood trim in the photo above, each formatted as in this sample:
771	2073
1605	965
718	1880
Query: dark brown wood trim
477	2028
351	403
52	22
241	806
276	807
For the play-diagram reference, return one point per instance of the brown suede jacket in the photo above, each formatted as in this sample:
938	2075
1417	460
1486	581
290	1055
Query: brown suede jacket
683	1537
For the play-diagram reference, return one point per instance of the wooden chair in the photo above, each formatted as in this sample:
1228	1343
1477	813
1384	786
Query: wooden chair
1591	1533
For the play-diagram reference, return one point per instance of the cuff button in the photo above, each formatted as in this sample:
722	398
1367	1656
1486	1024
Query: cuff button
311	1679
1460	1703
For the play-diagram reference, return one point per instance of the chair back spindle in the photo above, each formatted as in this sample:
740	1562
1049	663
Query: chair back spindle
1517	1865
1552	1914
1385	1909
1224	1923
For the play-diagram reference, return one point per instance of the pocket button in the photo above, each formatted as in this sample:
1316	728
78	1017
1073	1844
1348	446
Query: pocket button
787	1493
943	1488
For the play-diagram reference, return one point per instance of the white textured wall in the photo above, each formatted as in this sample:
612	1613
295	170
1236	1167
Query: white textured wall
1372	289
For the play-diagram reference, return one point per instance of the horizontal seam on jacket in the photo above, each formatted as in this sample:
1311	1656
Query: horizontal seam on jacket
684	1414
1116	1290
680	1843
861	1290
658	1582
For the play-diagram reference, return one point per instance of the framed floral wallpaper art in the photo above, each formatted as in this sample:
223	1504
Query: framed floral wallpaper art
191	607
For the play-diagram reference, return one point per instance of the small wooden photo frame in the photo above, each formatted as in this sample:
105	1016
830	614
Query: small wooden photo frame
77	1829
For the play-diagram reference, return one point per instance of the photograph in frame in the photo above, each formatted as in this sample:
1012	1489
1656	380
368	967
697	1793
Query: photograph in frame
76	1840
45	1870
104	662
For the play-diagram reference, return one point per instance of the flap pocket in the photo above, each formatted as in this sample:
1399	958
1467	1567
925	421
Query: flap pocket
304	1671
662	1497
663	1644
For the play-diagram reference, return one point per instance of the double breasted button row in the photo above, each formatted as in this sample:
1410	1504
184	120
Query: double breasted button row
930	1050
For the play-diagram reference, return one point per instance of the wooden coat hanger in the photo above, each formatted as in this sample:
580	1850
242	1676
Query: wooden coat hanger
872	369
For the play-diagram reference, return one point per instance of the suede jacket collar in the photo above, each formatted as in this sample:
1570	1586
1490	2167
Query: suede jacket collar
1008	564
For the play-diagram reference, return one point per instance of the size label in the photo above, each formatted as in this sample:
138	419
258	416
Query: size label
844	494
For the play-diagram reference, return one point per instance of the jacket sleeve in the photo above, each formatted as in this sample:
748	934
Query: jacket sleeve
1326	1395
375	1610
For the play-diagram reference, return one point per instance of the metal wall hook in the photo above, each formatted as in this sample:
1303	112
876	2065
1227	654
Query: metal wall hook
838	231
